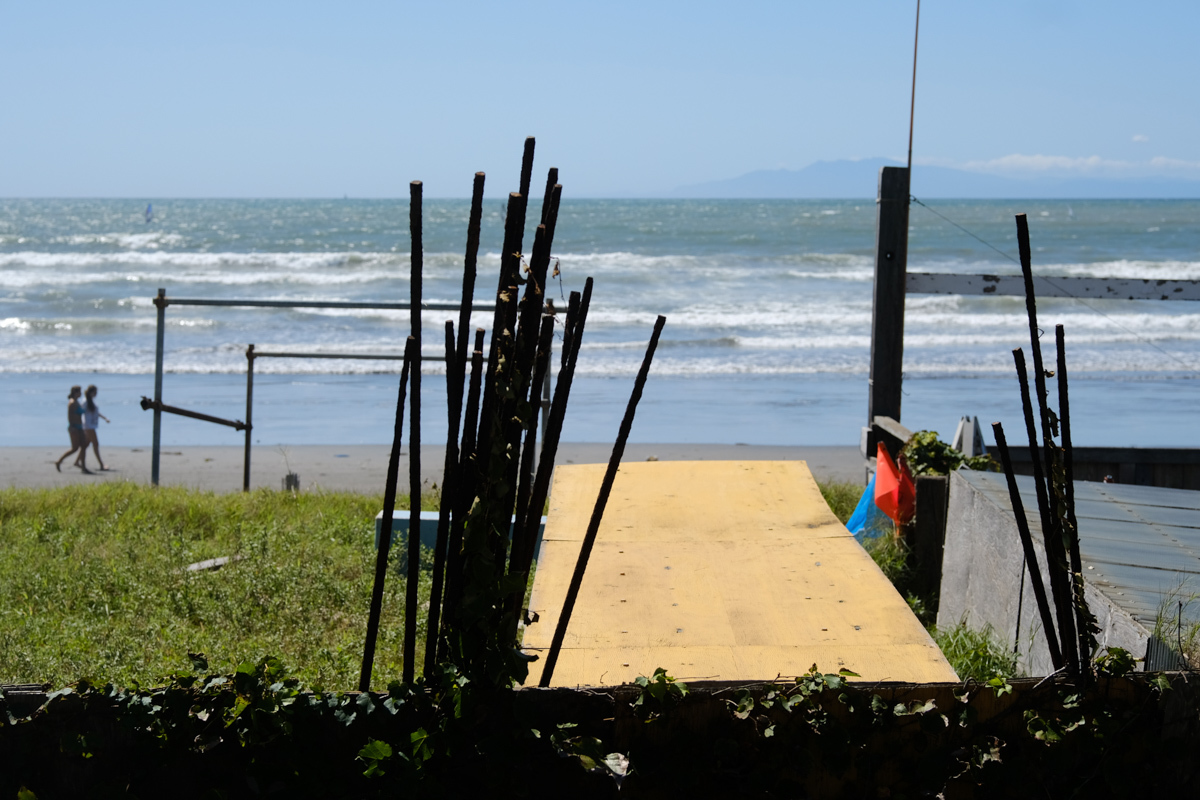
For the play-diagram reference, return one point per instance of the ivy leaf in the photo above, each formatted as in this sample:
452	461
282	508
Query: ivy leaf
617	764
199	662
372	753
917	707
745	704
791	701
421	749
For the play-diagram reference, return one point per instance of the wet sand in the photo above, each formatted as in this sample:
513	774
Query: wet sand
363	468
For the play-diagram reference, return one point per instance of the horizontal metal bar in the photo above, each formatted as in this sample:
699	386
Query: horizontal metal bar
368	357
1082	288
193	301
236	424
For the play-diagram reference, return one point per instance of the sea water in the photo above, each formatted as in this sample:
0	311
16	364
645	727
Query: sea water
768	307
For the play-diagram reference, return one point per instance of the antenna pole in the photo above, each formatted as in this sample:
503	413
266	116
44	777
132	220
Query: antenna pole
913	106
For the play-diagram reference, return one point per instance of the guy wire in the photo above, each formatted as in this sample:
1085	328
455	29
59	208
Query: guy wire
1188	367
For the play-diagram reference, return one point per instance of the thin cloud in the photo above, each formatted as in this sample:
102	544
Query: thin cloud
1141	137
1019	164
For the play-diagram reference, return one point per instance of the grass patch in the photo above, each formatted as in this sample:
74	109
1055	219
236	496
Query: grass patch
1176	623
842	497
95	583
975	653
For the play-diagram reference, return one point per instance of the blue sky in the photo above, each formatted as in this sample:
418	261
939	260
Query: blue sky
306	99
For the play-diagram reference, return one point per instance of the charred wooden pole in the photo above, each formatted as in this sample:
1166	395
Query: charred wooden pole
1039	372
466	478
558	410
458	476
1056	563
1031	562
551	182
510	268
453	413
493	454
526	349
589	539
414	440
527	168
1071	523
522	546
569	327
474	223
1053	512
385	536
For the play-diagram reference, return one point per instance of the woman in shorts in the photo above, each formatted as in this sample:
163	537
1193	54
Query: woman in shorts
75	429
91	421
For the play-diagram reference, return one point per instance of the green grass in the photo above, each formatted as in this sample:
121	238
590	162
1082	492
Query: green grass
95	585
1176	622
841	497
975	653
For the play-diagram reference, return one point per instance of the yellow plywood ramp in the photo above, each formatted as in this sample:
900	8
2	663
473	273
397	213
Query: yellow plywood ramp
717	570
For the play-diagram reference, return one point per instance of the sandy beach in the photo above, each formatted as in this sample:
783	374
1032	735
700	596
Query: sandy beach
362	468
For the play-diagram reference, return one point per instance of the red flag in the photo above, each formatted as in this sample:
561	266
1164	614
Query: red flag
895	493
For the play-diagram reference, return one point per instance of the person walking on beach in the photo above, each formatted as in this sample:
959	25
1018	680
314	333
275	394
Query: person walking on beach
91	421
75	429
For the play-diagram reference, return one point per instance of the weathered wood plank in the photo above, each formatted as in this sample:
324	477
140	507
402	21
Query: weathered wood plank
719	570
1084	288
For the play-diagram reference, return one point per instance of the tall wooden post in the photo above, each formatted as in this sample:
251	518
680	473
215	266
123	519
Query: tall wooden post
887	315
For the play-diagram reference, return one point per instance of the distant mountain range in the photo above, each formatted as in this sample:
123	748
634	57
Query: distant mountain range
851	179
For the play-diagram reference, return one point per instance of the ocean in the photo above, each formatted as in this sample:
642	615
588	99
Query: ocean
768	307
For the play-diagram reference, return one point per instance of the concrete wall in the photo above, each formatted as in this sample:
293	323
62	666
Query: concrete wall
984	584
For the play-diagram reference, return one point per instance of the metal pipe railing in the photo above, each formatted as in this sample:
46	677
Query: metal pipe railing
161	301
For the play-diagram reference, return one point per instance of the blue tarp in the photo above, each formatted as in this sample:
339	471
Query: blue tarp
867	521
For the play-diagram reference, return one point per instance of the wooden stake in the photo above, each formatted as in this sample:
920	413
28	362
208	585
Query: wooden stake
558	411
453	412
385	535
1055	560
522	548
414	441
1071	528
1031	562
465	483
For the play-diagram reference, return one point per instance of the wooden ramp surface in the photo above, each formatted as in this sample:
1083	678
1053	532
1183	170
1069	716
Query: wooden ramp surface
717	570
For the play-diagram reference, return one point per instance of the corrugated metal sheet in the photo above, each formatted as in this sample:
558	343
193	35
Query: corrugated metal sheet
1138	544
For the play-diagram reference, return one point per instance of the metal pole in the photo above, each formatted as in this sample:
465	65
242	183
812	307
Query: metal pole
249	416
161	303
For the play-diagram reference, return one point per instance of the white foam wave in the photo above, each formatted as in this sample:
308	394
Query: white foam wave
1129	268
132	241
842	358
717	265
